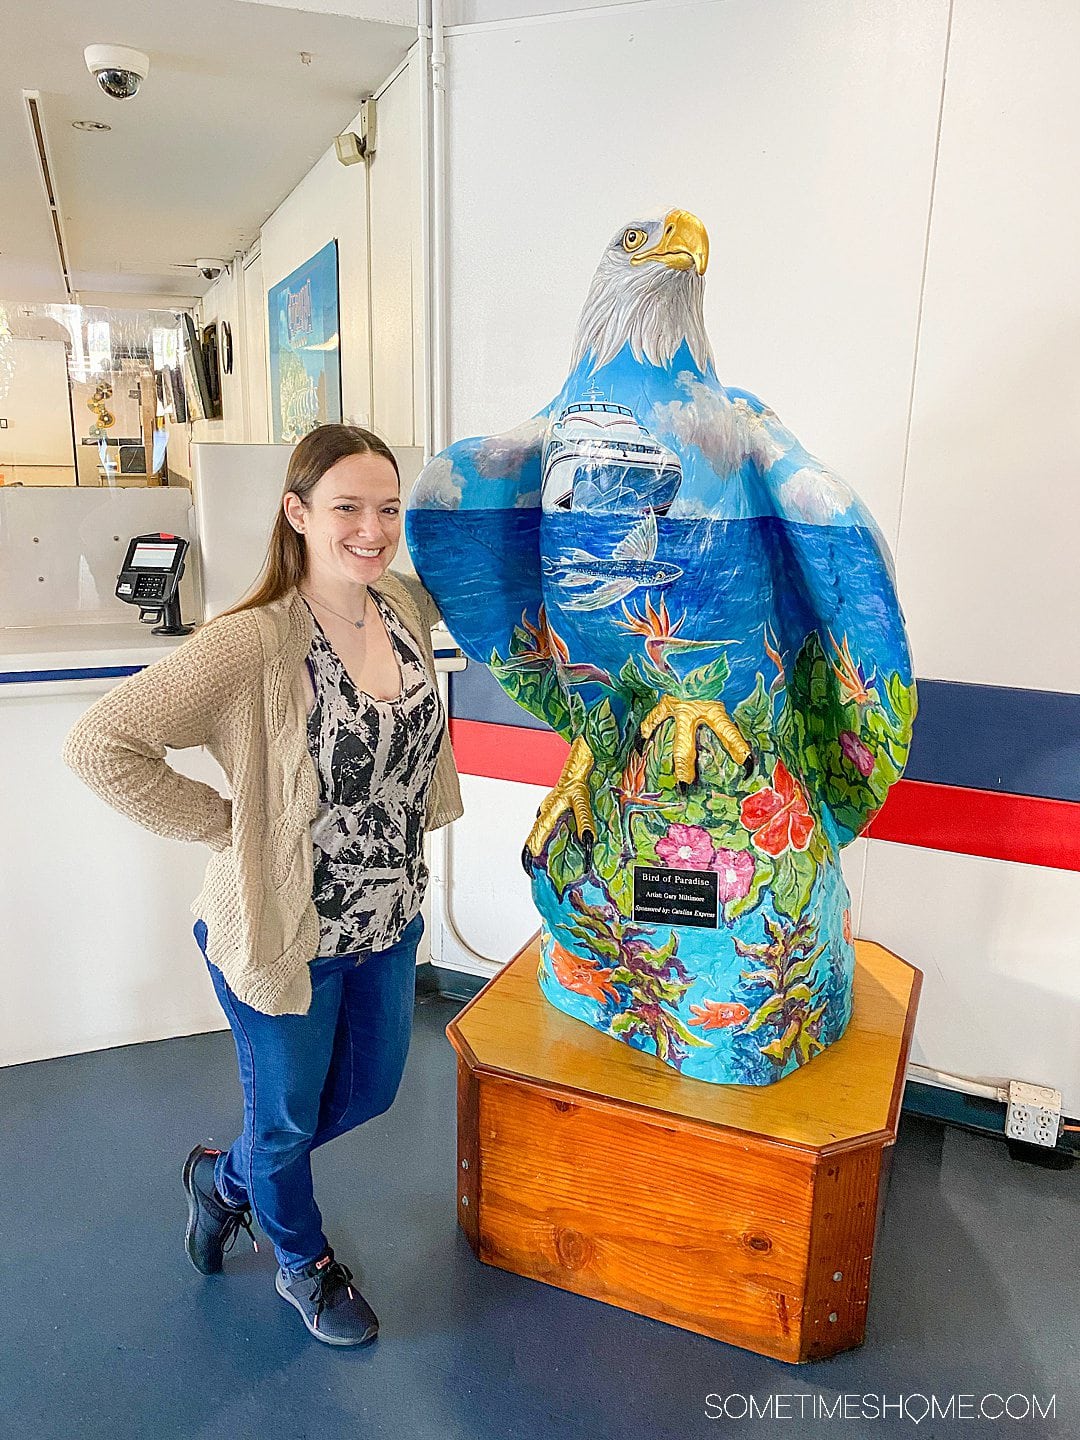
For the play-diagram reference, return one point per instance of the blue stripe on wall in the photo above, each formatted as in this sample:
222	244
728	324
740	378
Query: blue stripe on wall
100	672
993	737
982	737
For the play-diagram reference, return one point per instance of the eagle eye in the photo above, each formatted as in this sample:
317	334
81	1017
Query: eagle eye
633	239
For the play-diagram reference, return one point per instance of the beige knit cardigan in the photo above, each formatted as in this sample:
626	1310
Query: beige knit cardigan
236	687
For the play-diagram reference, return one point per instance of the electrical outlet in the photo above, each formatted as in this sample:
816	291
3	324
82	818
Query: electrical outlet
1034	1114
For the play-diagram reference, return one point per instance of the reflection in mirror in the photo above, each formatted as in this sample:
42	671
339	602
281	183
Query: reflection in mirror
89	396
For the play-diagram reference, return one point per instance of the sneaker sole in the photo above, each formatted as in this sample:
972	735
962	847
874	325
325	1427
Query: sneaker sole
318	1334
193	1211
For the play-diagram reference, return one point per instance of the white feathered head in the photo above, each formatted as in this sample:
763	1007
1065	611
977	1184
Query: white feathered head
647	292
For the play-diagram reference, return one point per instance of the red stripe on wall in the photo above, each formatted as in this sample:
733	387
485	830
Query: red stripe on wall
1027	829
508	752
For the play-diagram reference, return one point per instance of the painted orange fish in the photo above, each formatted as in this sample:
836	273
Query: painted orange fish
716	1015
583	977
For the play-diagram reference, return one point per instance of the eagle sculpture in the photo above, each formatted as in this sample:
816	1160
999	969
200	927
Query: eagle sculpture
655	567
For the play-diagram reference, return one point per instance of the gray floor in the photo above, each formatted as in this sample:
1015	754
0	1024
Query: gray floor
106	1330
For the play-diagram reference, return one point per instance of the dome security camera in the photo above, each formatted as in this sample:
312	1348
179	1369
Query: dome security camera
210	269
117	69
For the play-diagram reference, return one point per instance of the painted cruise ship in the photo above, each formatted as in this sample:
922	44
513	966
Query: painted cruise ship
599	458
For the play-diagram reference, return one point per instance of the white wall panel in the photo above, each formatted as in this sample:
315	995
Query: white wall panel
803	135
987	558
395	257
492	903
37	410
997	945
98	949
329	203
252	346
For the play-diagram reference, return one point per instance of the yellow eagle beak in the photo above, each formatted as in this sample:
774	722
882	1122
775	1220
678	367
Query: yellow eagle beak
683	245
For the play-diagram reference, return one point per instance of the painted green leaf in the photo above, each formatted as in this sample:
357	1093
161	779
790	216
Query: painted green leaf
683	1033
799	994
754	716
807	1046
725	811
621	889
565	859
758	882
760	977
781	1049
577	714
802	969
707	681
793	880
602	731
772	1006
694	811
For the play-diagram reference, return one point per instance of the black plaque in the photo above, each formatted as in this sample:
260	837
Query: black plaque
676	897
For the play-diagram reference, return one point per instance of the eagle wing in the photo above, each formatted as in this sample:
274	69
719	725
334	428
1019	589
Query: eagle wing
473	529
850	701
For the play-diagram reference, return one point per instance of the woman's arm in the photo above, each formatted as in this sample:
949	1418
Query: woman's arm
118	747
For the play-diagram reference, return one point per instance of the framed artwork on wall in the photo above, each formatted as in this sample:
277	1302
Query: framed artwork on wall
305	351
213	369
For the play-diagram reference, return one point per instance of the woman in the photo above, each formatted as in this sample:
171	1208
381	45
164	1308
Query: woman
317	697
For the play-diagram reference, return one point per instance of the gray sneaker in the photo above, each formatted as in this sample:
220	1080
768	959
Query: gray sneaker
330	1305
212	1225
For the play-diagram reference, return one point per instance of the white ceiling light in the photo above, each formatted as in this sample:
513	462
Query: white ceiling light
94	126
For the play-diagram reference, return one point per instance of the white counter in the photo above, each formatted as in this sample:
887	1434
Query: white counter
36	648
98	949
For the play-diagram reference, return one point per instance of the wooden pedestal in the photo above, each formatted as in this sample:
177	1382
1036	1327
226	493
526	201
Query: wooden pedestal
747	1214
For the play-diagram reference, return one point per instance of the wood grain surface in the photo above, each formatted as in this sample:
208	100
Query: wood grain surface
846	1095
745	1214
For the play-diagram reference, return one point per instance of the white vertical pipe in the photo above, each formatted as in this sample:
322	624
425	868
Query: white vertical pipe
448	947
440	387
423	56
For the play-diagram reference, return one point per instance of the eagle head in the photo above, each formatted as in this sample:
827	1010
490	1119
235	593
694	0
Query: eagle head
647	293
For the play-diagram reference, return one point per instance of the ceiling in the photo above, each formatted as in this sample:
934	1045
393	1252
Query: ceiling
228	121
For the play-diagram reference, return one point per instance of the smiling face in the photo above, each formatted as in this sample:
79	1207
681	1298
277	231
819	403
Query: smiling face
351	523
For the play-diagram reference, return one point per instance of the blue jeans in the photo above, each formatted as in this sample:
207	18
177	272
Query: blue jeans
308	1078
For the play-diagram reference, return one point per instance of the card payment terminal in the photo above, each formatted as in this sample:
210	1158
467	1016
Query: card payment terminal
150	578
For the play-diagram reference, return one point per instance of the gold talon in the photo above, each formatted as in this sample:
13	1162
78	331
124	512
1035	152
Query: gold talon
689	715
570	793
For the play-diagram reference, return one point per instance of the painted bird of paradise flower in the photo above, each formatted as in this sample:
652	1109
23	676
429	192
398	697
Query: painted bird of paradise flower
718	1015
856	688
634	798
660	633
772	649
574	672
536	646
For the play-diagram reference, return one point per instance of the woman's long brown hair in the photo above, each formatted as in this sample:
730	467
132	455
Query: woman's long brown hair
312	458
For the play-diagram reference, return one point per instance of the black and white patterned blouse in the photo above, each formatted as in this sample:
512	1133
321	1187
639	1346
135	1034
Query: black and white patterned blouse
375	760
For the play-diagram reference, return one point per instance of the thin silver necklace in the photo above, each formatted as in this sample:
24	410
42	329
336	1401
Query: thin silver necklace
359	624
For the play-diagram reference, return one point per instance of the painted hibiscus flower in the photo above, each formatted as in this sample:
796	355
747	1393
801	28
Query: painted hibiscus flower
686	847
856	752
736	870
777	815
